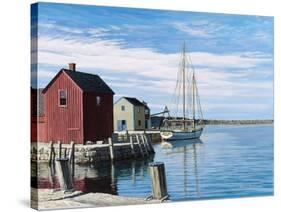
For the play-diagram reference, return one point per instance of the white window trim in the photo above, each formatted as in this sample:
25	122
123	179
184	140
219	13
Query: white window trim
59	90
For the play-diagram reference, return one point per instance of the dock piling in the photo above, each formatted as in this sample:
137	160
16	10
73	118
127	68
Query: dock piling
72	157
59	150
158	181
51	155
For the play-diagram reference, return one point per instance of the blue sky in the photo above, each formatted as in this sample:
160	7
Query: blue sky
137	52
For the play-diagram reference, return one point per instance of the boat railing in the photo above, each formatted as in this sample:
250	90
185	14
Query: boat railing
180	124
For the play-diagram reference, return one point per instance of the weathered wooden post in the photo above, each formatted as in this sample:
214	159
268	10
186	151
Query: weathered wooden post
111	149
127	135
144	144
158	181
64	153
132	146
149	142
72	157
59	150
63	171
139	144
51	156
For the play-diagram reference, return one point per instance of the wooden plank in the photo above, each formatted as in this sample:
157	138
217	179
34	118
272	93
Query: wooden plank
51	156
132	146
59	149
139	144
72	157
148	139
144	145
63	172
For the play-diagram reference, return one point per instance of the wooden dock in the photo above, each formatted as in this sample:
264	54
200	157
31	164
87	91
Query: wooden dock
132	146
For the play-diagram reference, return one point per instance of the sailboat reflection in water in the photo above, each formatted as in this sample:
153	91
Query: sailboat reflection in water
188	150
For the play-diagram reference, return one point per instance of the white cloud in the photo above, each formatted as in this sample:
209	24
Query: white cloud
200	28
111	56
59	27
191	30
92	32
160	69
237	60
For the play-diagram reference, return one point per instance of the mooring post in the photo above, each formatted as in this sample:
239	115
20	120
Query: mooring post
139	144
158	181
51	157
111	149
59	149
132	146
64	175
72	157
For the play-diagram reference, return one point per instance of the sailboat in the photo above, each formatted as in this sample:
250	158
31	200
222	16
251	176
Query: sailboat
190	124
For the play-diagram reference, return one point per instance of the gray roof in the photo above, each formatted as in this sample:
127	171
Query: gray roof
136	102
88	82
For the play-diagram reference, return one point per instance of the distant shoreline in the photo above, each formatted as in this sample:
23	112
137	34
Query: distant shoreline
157	120
236	122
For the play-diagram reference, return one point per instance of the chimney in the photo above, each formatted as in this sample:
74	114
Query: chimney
72	66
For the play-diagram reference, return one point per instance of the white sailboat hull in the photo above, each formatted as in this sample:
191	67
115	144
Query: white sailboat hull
180	135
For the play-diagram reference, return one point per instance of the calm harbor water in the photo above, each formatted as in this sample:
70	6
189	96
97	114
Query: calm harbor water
228	161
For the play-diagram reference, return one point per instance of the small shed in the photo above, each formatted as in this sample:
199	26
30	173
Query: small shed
78	107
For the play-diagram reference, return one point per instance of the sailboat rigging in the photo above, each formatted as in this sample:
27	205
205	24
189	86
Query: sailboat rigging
187	127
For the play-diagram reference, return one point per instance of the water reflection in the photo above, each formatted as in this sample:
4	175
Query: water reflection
188	150
236	163
100	177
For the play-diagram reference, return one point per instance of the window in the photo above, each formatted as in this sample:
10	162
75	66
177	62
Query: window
123	107
138	109
62	98
139	122
98	100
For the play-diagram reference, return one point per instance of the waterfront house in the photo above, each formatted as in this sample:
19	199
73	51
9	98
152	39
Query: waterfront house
77	107
131	114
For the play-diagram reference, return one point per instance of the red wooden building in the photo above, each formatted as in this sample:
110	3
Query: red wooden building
77	107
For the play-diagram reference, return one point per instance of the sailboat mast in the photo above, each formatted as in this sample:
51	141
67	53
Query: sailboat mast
193	98
183	80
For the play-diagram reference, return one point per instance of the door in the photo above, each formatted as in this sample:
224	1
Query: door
121	125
